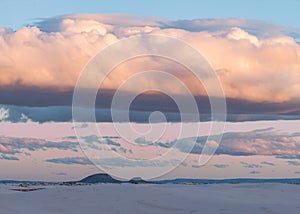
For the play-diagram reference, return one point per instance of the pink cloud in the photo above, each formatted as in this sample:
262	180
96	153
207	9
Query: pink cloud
251	67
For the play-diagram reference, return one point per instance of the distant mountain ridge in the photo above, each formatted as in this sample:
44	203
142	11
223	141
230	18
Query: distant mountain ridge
105	178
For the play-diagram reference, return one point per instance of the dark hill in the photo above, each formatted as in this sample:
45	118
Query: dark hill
139	180
99	178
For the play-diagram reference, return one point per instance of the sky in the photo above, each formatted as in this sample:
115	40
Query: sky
17	13
253	48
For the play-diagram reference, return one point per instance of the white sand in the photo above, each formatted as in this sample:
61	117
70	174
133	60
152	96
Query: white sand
143	199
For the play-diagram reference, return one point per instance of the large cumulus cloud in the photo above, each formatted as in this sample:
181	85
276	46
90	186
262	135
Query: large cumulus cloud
254	60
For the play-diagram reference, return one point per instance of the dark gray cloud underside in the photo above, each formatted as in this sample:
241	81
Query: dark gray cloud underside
43	106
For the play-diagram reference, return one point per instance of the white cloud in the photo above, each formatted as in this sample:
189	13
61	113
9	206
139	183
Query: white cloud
4	114
24	118
238	34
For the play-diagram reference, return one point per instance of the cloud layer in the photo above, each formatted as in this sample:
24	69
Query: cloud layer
267	141
254	60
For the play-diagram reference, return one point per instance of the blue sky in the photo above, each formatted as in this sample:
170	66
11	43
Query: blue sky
17	13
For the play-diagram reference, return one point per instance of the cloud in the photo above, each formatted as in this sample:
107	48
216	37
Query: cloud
197	166
251	52
8	157
4	114
260	142
139	112
257	142
267	163
254	172
109	163
294	163
120	20
60	173
221	166
250	165
25	114
11	145
288	156
124	150
70	161
93	140
217	25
